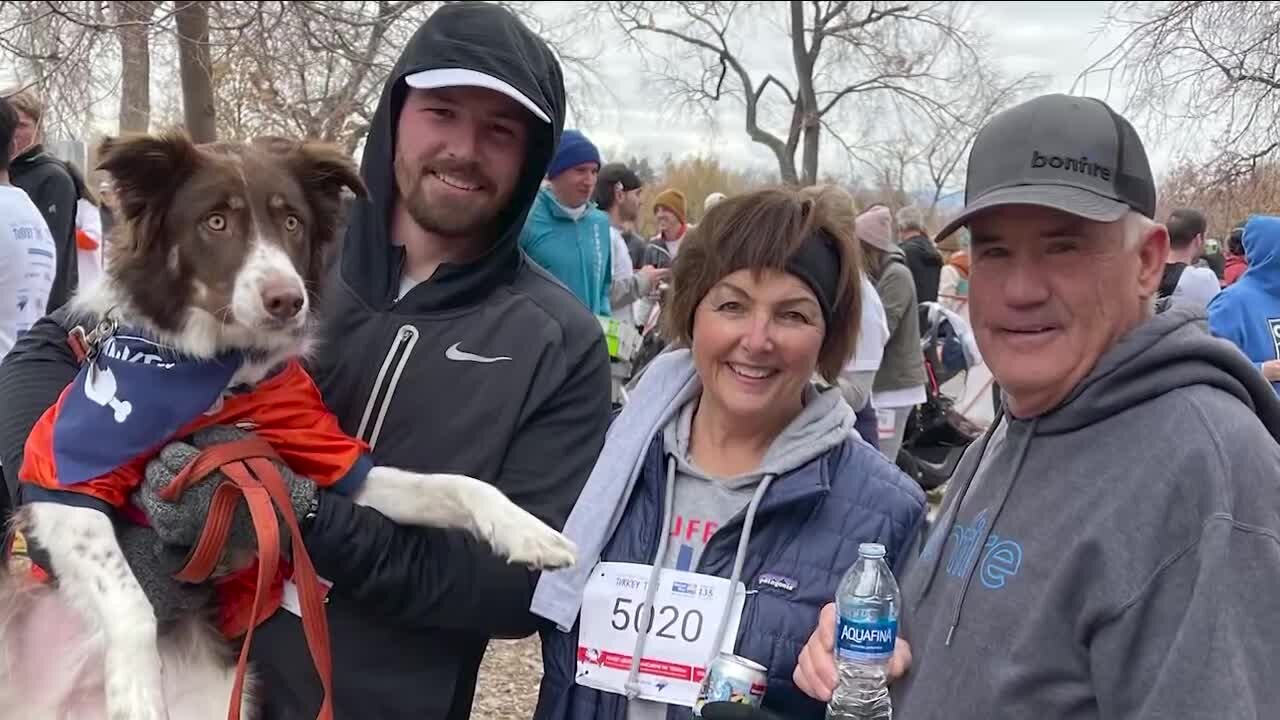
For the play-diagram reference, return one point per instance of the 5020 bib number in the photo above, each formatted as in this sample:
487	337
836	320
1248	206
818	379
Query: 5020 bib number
690	622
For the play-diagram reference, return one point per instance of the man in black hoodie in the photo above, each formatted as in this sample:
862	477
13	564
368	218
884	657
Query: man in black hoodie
47	181
446	350
923	257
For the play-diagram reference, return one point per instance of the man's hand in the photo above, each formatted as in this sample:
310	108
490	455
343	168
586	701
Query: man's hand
1271	370
181	523
652	276
153	564
816	674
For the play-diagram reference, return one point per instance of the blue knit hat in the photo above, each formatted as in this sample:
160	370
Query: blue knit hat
574	150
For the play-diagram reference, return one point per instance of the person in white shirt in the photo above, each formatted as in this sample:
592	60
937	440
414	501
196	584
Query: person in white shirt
1184	282
859	373
28	256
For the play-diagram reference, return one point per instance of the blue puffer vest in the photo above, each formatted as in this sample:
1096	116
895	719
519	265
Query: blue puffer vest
806	534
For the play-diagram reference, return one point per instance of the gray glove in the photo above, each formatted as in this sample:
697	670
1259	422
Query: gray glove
153	564
182	522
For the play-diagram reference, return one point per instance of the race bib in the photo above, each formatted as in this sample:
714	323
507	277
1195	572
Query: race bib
681	626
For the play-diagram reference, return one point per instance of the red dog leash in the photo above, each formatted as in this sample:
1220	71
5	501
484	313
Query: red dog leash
249	465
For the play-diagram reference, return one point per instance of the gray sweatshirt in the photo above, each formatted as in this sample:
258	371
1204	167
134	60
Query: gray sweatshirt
701	503
1118	557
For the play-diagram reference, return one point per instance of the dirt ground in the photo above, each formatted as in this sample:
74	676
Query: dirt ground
508	684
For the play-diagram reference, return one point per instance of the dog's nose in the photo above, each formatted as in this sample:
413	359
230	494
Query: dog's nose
282	299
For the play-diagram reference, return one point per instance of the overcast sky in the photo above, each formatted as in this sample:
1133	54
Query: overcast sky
1056	39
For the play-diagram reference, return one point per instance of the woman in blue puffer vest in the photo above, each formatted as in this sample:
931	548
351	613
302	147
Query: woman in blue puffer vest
732	492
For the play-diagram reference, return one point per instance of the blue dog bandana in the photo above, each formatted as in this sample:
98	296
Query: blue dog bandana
129	399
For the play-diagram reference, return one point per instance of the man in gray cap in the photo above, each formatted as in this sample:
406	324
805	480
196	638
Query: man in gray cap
1111	547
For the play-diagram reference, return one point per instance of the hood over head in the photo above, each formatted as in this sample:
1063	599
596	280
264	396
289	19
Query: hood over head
1262	249
824	422
473	44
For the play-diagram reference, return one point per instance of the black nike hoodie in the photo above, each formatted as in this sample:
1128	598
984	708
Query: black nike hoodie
489	369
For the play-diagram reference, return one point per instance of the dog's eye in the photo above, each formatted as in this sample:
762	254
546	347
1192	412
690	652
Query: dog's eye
292	223
216	222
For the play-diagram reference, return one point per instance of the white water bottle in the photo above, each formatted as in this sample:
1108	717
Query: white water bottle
866	629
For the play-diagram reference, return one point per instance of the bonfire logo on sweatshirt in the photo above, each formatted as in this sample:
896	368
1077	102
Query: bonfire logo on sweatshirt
1001	557
1275	333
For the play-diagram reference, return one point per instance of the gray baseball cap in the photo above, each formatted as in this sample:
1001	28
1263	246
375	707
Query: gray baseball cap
1073	154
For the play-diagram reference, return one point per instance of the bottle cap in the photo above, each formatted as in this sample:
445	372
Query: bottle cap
871	550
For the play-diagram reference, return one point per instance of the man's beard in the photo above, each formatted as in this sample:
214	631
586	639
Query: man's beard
450	218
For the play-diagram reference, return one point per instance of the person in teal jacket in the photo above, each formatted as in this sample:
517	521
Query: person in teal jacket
566	234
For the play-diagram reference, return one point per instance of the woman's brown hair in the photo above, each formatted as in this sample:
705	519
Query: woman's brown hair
762	231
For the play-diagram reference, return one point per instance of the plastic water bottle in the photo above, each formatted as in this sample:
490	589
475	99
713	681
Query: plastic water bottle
866	628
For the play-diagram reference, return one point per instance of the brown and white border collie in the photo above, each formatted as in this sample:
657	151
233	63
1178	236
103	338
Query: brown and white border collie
222	249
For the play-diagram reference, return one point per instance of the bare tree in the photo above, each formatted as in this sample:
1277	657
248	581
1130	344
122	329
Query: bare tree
1225	204
310	69
306	69
196	70
1204	75
133	29
924	160
55	48
317	69
871	52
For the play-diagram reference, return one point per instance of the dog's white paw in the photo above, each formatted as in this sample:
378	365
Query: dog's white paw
130	697
524	539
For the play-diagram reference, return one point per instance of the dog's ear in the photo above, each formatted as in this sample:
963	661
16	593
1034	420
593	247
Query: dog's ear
324	170
146	169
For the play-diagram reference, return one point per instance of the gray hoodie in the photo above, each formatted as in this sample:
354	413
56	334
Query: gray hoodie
1118	557
663	401
700	502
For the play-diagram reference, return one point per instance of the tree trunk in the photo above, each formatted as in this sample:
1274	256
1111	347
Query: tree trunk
133	31
806	97
197	71
787	169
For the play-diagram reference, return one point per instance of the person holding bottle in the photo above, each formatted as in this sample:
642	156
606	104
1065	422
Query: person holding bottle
732	492
1109	548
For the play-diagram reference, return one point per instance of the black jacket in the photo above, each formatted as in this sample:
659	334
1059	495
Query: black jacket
925	263
46	180
412	609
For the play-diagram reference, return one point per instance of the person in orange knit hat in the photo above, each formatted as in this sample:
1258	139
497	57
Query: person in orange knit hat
671	211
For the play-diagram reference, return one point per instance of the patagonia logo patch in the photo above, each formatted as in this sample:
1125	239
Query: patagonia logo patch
777	582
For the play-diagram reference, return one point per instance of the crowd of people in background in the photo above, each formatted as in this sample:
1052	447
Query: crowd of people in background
58	248
1077	560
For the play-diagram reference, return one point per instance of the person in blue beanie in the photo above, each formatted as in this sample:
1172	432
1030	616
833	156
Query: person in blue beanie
1248	312
566	234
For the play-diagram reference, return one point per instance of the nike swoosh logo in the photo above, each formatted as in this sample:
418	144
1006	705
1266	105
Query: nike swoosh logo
453	353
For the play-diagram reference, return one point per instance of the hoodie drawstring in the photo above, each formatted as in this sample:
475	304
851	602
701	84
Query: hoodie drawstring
668	511
981	540
739	559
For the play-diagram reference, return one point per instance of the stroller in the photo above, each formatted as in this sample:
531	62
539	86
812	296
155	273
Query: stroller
937	434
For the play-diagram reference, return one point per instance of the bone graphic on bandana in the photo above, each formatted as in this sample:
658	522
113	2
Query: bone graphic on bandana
100	387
